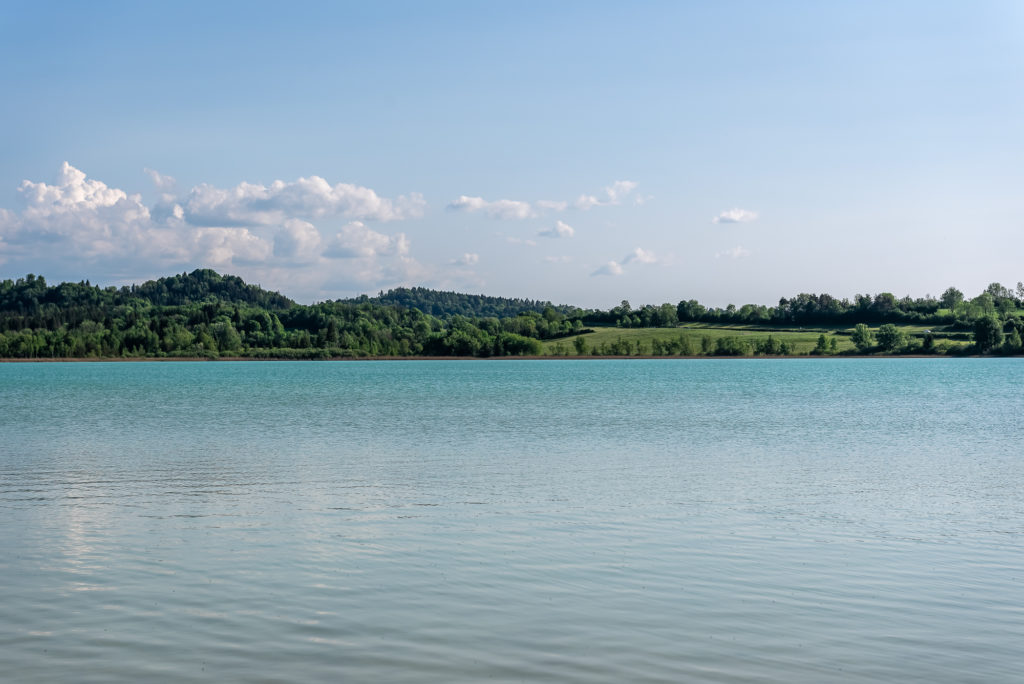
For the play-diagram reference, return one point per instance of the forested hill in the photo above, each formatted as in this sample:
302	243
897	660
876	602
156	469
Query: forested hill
207	314
32	296
202	284
439	303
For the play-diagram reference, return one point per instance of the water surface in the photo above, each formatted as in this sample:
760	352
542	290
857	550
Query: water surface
537	521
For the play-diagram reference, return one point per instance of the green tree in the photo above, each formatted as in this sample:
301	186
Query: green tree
581	345
890	338
1012	344
862	337
952	298
998	291
822	346
988	334
685	348
226	336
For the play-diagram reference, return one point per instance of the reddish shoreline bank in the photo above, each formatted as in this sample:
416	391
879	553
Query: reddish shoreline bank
142	359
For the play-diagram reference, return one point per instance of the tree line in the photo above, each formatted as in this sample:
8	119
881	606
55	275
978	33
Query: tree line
952	308
204	313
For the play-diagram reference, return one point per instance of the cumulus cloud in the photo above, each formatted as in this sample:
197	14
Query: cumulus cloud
356	241
613	194
225	247
467	259
640	256
249	204
521	241
735	216
297	240
250	229
612	268
736	252
637	256
518	209
557	259
162	182
498	209
561	229
90	217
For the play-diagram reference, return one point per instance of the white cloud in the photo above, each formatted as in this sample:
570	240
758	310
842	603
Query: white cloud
640	256
735	216
498	209
736	252
520	241
467	259
518	209
297	240
356	241
79	221
557	259
612	268
619	189
94	219
613	194
162	182
560	230
249	204
225	247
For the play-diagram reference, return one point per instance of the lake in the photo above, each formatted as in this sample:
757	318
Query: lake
829	520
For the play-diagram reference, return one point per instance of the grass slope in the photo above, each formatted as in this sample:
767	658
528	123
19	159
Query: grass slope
801	339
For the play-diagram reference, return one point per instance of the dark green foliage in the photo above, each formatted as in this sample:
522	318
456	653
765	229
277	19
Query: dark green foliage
203	284
206	314
803	309
952	298
988	334
731	346
442	304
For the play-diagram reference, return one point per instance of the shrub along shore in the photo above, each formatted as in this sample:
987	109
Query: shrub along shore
205	315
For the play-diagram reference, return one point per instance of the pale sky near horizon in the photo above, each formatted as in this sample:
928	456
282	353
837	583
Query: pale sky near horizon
579	152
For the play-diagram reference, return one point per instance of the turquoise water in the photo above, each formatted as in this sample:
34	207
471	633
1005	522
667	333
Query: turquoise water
571	521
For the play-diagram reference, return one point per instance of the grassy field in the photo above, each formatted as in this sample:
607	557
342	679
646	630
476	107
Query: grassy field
802	340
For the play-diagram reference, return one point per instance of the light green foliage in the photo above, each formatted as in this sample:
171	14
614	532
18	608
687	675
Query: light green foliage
822	345
891	338
1012	343
862	337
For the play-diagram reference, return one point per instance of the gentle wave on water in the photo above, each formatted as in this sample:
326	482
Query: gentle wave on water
572	521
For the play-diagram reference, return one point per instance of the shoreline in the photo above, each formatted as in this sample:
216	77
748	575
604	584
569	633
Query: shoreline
158	359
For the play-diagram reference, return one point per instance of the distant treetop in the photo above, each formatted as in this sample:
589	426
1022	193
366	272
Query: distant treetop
440	303
202	284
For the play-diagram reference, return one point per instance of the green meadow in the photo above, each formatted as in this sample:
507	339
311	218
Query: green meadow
801	340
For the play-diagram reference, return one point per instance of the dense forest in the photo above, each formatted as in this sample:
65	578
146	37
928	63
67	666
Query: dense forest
438	303
206	314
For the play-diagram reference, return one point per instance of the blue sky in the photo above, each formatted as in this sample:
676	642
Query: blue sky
582	152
